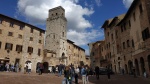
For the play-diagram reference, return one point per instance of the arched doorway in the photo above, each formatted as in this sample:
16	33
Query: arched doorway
130	66
62	59
28	61
37	67
45	64
126	69
148	58
137	67
142	65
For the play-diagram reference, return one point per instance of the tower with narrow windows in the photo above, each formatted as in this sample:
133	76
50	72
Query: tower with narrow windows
56	38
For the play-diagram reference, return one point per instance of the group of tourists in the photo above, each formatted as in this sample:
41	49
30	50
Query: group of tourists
8	67
71	73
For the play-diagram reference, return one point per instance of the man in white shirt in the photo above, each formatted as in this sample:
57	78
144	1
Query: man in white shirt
76	75
29	68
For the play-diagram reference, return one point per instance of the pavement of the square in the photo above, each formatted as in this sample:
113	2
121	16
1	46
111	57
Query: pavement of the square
33	78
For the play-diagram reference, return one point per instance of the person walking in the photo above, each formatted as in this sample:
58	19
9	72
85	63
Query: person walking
41	67
108	73
97	72
29	68
54	69
25	68
7	67
87	74
17	67
76	75
83	73
60	70
66	76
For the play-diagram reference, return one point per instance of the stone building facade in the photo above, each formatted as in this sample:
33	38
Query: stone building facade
56	36
95	53
76	55
130	49
58	49
21	42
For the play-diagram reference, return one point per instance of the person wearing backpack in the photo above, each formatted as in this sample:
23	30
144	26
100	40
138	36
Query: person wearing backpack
83	73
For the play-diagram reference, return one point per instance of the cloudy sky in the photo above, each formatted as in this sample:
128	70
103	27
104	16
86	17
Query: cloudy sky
85	17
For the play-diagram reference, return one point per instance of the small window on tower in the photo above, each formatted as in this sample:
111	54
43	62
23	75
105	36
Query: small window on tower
54	36
63	34
56	13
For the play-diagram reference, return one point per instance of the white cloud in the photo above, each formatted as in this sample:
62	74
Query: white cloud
36	12
127	3
98	2
83	38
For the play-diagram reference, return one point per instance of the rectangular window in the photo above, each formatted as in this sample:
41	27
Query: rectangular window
63	34
108	33
8	46
93	53
134	16
10	33
0	44
140	8
21	27
128	43
121	28
31	38
19	48
118	49
0	31
102	49
39	52
20	36
124	26
30	50
116	34
132	43
145	34
1	21
112	37
31	30
124	45
137	35
40	41
11	24
129	23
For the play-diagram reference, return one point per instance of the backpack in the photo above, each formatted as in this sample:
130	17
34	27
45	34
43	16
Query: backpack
84	72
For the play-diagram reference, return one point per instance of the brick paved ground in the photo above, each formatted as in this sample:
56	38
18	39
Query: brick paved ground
19	78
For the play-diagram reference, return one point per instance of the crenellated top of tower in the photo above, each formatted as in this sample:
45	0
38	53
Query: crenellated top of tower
57	11
57	8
